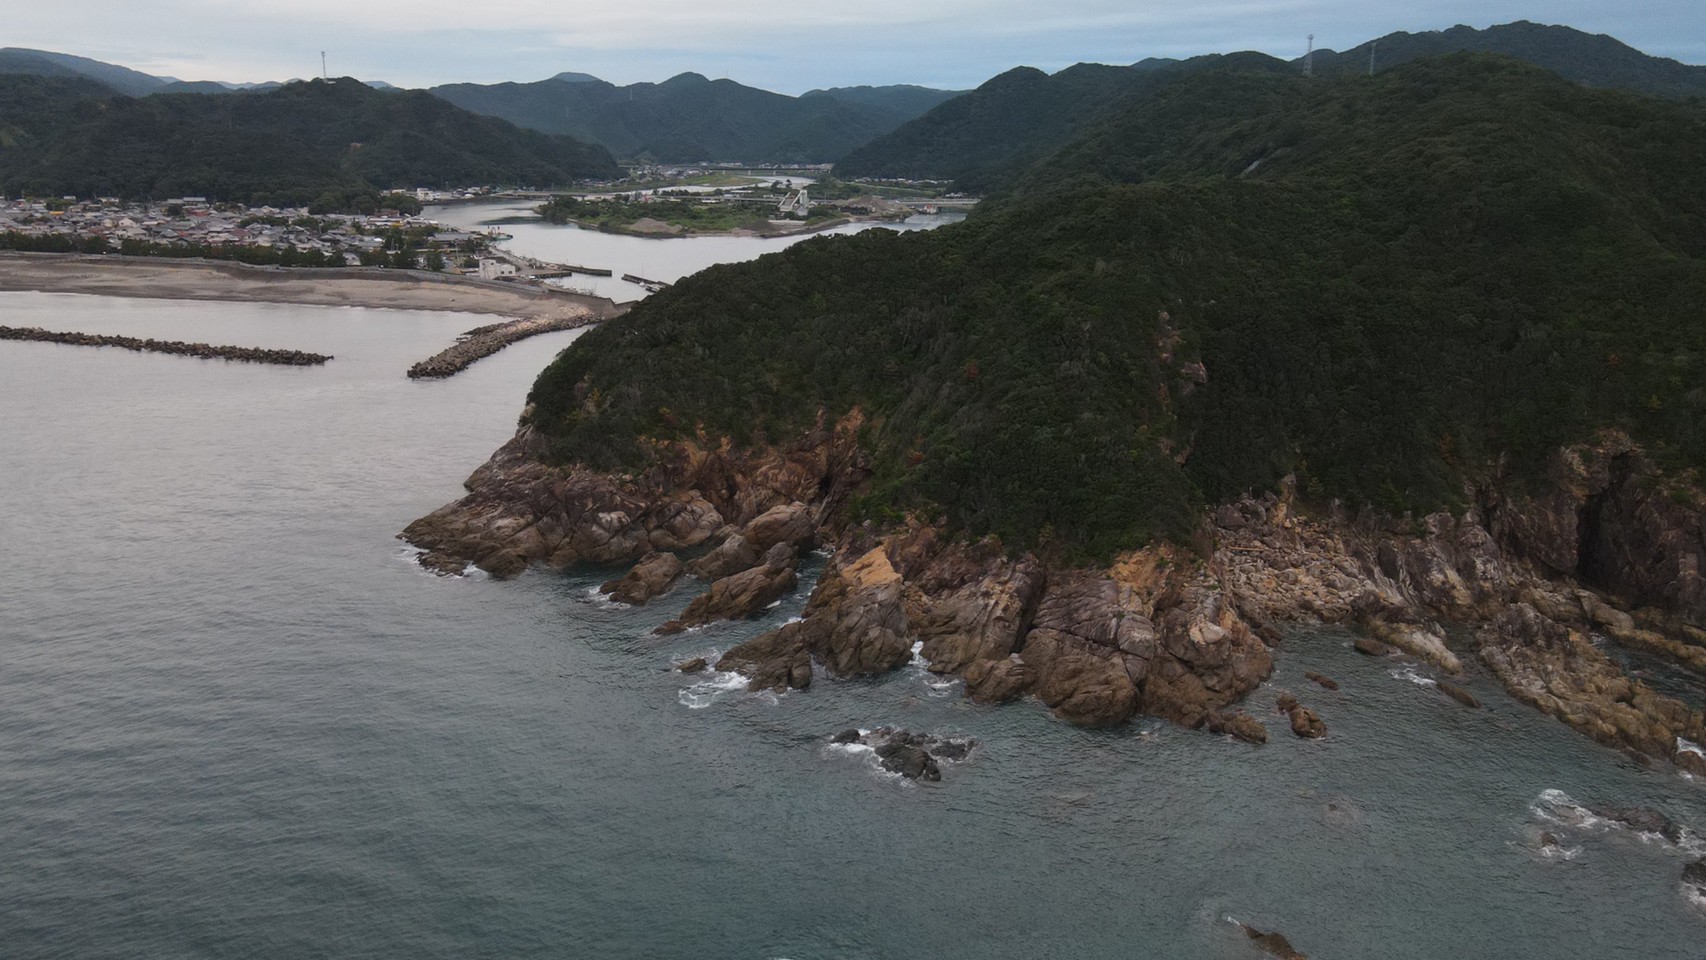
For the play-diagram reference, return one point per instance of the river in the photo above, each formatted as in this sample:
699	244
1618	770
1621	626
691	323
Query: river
667	259
237	722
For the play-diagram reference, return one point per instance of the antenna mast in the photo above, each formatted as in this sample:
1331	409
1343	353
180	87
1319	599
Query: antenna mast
1309	58
323	66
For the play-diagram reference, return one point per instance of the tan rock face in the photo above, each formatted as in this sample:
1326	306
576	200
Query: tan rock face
655	573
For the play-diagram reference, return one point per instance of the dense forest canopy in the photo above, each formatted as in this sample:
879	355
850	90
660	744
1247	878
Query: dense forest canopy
291	145
1390	287
989	135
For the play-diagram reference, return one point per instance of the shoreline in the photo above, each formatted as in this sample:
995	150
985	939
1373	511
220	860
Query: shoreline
159	278
686	233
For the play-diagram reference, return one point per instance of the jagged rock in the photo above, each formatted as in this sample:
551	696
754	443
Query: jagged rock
1417	641
742	595
856	621
442	564
695	665
1548	839
1641	820
1239	725
1272	944
982	620
1307	723
684	523
1370	647
1285	703
1457	693
1694	875
850	735
775	660
731	556
1324	681
790	523
999	681
655	573
912	762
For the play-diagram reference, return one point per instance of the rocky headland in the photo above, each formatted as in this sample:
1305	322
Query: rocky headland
1523	581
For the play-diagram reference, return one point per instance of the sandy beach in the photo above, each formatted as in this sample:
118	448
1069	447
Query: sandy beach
357	287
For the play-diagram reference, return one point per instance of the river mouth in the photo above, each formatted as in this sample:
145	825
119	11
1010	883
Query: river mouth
238	720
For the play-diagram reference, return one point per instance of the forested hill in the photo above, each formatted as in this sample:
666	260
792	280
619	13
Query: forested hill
1434	274
691	118
285	146
1594	60
983	139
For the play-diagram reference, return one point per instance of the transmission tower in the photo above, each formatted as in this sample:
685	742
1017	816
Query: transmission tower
1309	58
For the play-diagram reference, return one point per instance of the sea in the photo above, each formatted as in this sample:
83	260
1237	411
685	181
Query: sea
238	721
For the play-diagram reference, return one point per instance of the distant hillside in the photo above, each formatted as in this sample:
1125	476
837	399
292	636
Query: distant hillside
1595	60
1388	288
44	63
985	138
901	102
688	118
289	145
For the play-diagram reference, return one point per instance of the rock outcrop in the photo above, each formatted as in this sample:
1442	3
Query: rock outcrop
655	573
1515	581
915	756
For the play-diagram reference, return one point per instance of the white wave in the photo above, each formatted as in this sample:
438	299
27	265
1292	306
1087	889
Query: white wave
1560	852
1689	746
917	655
711	689
1559	807
1410	674
1694	896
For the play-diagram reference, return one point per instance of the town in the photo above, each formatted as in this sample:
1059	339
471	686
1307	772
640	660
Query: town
393	235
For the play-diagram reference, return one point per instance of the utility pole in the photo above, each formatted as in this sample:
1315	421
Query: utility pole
1309	58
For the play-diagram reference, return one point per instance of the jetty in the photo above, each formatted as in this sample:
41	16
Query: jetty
484	341
205	351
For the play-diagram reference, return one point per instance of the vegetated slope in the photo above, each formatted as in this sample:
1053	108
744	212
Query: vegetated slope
899	102
684	119
1433	275
1015	119
289	145
985	138
1592	59
45	63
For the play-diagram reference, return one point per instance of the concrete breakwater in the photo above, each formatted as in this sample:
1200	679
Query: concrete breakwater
206	351
487	340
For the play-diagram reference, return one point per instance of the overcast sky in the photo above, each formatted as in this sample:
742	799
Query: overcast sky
787	47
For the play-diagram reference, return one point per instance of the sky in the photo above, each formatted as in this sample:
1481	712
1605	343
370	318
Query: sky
786	47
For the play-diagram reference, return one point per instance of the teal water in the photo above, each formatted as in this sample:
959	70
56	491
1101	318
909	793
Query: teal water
236	721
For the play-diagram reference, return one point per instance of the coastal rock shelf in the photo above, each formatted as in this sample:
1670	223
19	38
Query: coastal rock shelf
206	351
484	341
1162	631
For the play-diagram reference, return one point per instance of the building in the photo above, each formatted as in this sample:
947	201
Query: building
496	269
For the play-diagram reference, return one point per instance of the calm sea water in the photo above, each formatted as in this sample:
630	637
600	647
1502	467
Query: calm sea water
235	721
655	258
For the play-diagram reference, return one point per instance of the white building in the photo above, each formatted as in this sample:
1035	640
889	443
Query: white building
496	269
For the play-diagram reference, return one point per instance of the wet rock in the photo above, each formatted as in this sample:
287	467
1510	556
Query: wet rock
1416	640
1285	703
1694	875
731	556
1641	820
1370	647
441	564
1237	724
1272	944
1324	681
909	760
915	756
743	595
777	660
695	665
655	573
1548	839
850	735
1307	723
1457	693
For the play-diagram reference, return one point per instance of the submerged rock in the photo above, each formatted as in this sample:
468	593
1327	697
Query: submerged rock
915	756
695	665
1238	725
1273	944
1369	647
1457	693
1694	875
1324	681
1641	820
